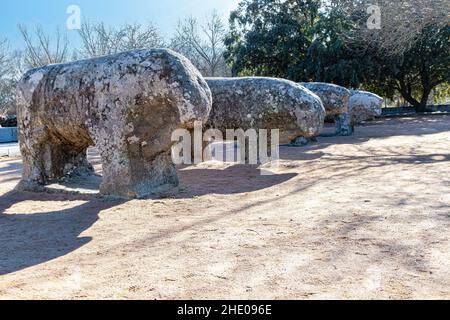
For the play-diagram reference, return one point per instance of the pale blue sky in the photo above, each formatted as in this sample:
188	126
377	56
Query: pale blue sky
52	13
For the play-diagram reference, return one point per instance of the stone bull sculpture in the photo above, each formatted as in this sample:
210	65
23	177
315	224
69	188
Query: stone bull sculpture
336	102
364	106
265	103
127	105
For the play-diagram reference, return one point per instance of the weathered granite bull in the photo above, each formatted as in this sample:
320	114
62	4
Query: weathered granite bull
127	105
265	103
335	99
364	106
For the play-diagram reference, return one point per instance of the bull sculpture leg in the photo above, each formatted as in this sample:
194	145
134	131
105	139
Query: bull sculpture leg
132	177
343	125
47	159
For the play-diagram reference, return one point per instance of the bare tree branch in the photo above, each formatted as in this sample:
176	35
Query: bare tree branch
40	52
5	59
203	44
99	40
401	22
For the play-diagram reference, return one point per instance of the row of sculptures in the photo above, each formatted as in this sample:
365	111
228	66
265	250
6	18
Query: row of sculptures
128	105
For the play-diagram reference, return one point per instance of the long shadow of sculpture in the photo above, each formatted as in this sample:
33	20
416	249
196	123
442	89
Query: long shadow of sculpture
232	180
29	239
32	239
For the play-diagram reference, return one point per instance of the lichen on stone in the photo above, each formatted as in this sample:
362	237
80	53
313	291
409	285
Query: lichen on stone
364	106
265	103
127	105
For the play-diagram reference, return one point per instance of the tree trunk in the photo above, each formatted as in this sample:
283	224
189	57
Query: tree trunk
421	107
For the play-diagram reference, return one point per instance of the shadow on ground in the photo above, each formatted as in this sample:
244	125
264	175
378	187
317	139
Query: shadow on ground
44	236
29	239
41	237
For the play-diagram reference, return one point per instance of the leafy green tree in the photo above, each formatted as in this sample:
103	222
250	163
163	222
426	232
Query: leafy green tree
329	59
441	94
307	40
301	40
419	70
271	37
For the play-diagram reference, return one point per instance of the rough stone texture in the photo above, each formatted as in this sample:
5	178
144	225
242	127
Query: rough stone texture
265	103
127	105
335	99
364	106
343	125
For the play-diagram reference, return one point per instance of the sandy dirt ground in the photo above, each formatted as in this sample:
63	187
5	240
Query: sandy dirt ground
363	217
